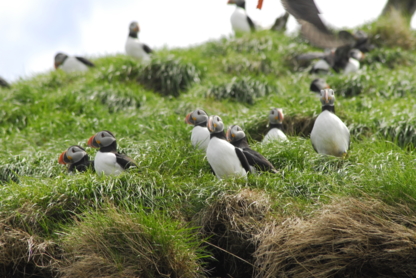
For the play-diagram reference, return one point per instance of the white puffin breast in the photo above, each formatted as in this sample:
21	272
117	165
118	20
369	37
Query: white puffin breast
275	134
200	137
330	135
223	159
134	48
106	163
239	20
72	64
353	65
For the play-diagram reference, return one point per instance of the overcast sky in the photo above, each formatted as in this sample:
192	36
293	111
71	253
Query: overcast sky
33	31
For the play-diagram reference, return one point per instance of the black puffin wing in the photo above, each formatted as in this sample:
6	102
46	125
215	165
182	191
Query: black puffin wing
85	61
242	159
258	160
147	49
251	23
124	160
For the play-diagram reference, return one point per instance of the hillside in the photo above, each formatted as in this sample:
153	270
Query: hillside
170	217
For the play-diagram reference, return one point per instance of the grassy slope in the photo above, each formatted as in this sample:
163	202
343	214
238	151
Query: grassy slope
43	116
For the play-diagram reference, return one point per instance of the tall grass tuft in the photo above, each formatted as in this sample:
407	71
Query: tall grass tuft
245	90
168	76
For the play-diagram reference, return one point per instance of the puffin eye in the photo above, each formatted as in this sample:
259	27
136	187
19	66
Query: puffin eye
218	119
272	112
199	113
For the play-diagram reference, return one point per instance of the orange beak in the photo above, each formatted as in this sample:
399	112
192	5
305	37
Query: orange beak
90	142
61	158
188	119
280	115
209	124
260	4
56	65
228	134
230	2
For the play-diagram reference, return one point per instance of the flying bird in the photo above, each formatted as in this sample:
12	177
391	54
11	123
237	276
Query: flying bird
76	159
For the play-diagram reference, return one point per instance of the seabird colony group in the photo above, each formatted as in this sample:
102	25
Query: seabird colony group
228	151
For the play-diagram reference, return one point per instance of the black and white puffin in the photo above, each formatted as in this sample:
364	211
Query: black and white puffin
240	21
329	134
200	134
76	159
134	47
317	85
275	132
226	160
108	160
4	83
72	63
236	136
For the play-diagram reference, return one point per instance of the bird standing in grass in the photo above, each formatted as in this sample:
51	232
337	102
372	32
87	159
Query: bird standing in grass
329	134
76	159
72	63
226	160
236	136
108	160
200	134
134	47
240	21
275	132
317	85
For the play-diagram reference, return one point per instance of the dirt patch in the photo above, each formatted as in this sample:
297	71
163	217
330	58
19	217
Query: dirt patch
349	238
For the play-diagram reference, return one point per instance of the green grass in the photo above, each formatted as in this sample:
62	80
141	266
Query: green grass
240	79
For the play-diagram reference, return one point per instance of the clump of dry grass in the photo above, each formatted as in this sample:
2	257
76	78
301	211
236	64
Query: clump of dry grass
116	243
24	255
348	238
231	223
392	30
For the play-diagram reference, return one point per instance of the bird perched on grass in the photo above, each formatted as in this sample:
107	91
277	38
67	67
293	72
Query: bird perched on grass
236	136
108	160
240	21
226	160
275	132
329	134
72	63
200	134
134	47
76	159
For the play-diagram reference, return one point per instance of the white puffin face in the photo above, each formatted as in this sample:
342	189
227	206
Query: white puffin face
102	139
75	153
235	133
327	97
276	116
196	117
215	124
134	27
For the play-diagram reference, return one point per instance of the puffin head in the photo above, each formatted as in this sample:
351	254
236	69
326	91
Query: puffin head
239	3
215	124
73	154
134	27
102	139
196	117
59	59
327	97
318	84
276	116
356	54
235	133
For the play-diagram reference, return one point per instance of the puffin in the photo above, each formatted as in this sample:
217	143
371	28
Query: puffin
226	160
240	21
108	160
76	159
317	85
329	136
236	136
275	132
200	134
134	47
72	63
4	83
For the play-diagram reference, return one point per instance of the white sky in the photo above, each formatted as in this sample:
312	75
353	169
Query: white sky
33	31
